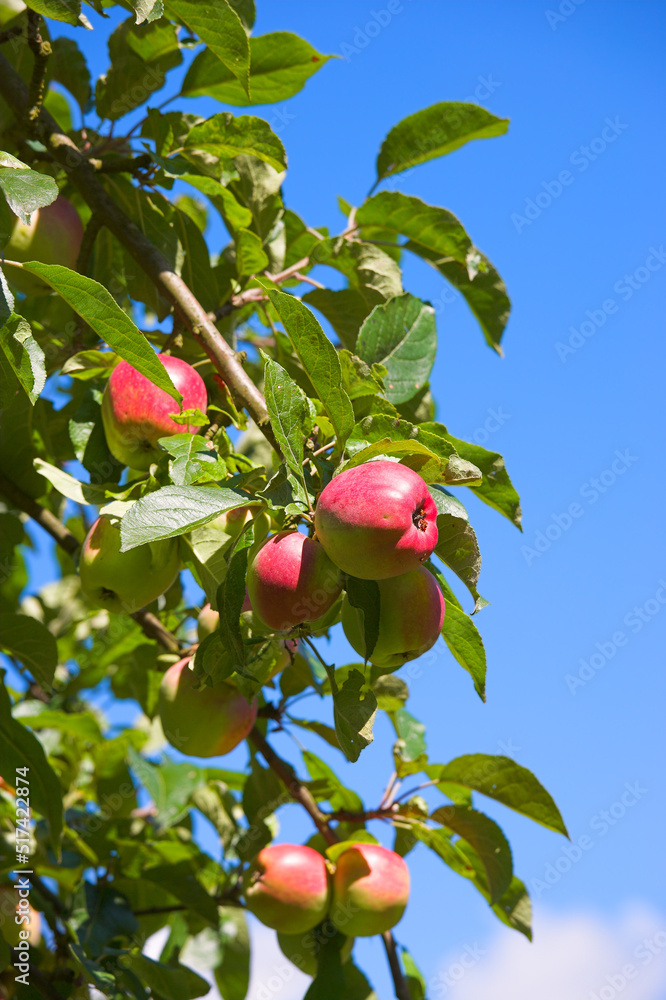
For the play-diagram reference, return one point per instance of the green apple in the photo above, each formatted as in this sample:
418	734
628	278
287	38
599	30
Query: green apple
370	890
52	236
124	582
411	614
202	721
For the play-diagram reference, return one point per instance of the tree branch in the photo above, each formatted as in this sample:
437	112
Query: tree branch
95	223
303	796
148	257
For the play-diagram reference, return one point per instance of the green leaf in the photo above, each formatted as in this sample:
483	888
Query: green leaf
24	355
496	489
173	510
231	595
101	312
330	979
220	28
345	310
513	907
401	335
415	981
147	10
141	55
68	66
364	596
280	65
391	692
250	256
488	841
457	544
170	982
60	10
232	975
438	236
319	359
82	724
462	637
327	787
25	189
19	748
192	459
109	916
358	377
411	745
68	486
225	136
32	644
354	711
501	779
435	131
424	447
290	416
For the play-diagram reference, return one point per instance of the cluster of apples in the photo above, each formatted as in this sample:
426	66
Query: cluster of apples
291	888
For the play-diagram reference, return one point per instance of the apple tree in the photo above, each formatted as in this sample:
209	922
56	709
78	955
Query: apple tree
232	459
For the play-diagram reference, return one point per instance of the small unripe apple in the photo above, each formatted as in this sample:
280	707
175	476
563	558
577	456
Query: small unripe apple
124	582
136	413
13	907
291	580
205	722
53	236
287	888
411	614
370	890
302	949
377	520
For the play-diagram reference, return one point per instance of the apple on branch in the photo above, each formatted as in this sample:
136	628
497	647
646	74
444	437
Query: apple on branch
136	413
52	236
411	614
124	582
377	520
202	721
370	890
291	580
287	888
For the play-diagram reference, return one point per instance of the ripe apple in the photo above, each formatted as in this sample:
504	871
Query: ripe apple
12	906
411	613
287	888
206	722
53	236
302	949
291	580
124	582
377	520
370	890
135	412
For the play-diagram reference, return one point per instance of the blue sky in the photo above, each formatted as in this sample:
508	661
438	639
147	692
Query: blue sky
575	630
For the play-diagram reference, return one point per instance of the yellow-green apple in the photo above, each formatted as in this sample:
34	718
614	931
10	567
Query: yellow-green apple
370	890
202	721
302	949
124	582
18	920
136	413
291	580
411	613
52	236
287	888
377	520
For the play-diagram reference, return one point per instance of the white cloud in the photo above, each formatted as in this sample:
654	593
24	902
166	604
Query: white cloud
577	957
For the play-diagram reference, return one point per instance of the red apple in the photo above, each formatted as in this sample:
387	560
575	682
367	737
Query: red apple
124	582
135	413
291	580
370	890
411	613
53	236
287	888
205	722
377	520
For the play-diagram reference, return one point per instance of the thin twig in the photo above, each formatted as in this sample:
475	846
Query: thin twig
399	981
41	50
308	281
